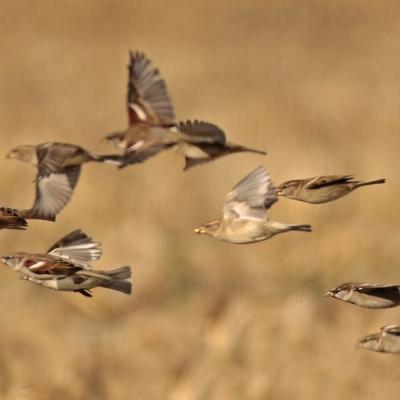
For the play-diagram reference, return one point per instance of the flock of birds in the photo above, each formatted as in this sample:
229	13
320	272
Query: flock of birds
152	128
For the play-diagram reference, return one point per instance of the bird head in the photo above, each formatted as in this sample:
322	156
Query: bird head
24	152
11	260
369	341
208	228
342	292
287	189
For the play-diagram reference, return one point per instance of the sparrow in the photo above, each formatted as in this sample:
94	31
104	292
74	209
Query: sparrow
152	126
368	295
65	266
321	189
385	341
245	212
10	218
58	166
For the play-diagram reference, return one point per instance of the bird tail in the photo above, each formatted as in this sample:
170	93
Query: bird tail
115	159
303	228
374	182
233	148
118	280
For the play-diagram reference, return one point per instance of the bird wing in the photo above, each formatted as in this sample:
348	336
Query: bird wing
391	329
251	197
201	132
329	180
53	192
76	247
148	99
46	264
389	292
52	157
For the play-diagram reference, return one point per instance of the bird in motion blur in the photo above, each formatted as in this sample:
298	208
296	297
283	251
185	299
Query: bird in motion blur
59	167
368	295
322	189
152	126
245	212
387	340
11	218
66	267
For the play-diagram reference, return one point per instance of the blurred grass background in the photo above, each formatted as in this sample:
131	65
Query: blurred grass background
317	85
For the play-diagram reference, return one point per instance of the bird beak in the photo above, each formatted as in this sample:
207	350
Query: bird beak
279	192
199	230
329	294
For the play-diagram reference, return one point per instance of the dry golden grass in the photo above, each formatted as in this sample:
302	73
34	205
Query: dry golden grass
314	83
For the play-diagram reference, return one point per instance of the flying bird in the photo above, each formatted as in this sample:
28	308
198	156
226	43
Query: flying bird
65	266
368	295
387	340
321	189
152	127
245	209
59	167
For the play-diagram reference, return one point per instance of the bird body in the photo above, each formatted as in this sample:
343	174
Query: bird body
322	189
245	212
367	295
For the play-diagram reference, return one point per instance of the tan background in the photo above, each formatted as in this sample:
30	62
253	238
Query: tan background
317	85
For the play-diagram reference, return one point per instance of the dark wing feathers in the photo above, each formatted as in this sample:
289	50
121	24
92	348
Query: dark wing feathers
10	218
389	292
148	99
330	180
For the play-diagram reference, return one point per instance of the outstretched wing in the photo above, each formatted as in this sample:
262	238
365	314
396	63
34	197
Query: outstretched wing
389	292
251	197
329	180
53	192
148	99
76	247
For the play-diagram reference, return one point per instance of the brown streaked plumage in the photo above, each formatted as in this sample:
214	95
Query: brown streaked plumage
66	266
368	295
245	212
387	340
322	189
59	166
11	218
152	125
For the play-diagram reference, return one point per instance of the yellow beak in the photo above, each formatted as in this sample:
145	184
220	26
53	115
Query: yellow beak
328	294
199	230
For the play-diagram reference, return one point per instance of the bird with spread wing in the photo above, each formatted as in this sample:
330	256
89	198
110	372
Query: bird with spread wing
245	209
65	266
152	126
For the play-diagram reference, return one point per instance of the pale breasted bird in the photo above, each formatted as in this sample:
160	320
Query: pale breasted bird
368	295
152	126
11	218
66	267
387	340
59	167
245	212
322	189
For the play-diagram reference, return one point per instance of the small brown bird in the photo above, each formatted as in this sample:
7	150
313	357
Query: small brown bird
321	189
59	166
245	212
10	218
152	126
66	267
367	295
385	341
